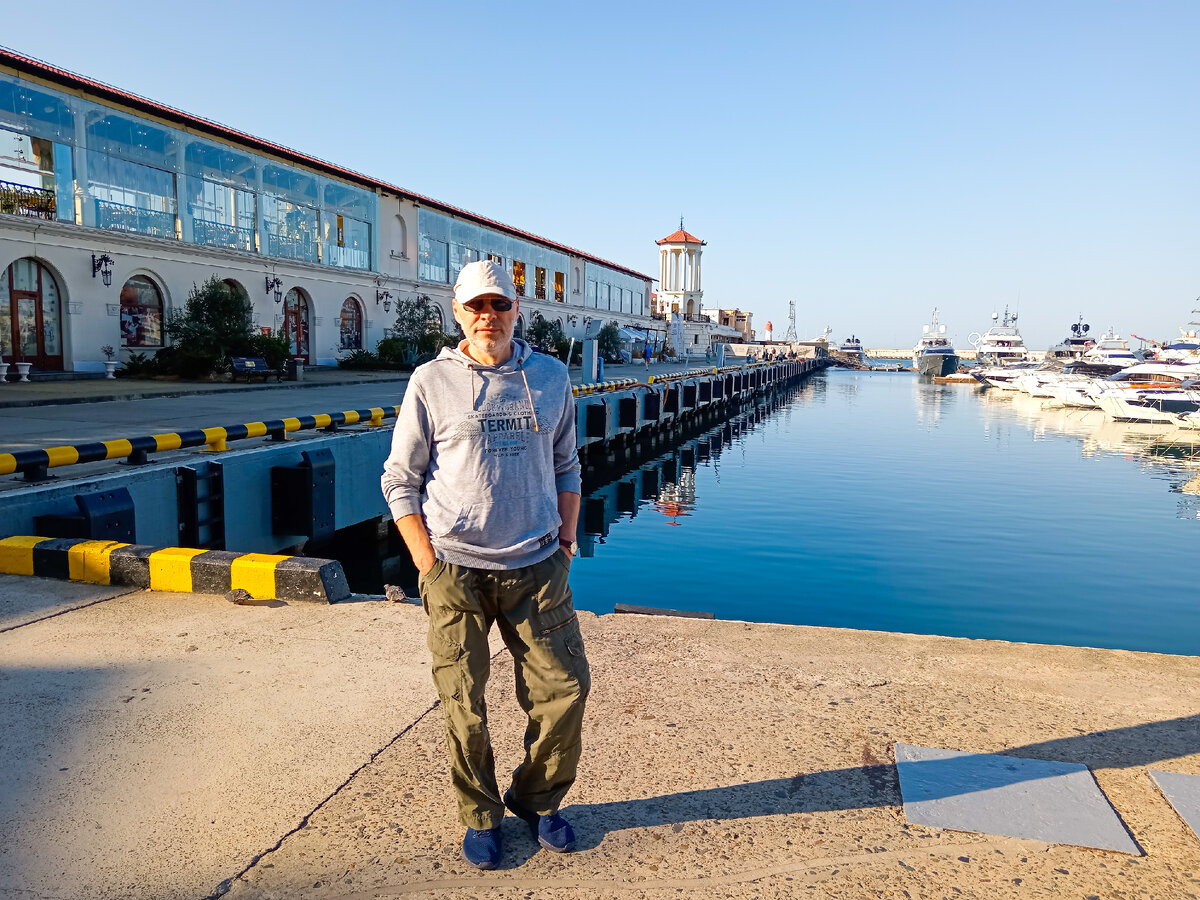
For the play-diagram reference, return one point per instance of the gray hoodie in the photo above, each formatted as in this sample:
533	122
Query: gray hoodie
492	447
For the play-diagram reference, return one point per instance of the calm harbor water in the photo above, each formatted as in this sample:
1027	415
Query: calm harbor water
879	501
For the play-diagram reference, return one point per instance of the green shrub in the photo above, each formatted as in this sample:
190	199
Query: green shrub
138	365
360	359
609	339
390	349
213	326
275	348
544	333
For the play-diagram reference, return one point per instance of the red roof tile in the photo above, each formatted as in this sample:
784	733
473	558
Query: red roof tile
680	237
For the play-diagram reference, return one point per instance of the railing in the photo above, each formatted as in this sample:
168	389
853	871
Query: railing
347	257
218	234
22	200
119	217
696	317
292	247
34	463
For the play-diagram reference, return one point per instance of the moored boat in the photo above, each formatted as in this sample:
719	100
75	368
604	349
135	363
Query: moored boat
933	354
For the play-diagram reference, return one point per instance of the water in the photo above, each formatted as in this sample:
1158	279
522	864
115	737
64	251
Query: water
879	501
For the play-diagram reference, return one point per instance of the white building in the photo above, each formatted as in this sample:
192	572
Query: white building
112	206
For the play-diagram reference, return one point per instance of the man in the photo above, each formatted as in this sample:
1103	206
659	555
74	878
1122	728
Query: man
646	355
487	431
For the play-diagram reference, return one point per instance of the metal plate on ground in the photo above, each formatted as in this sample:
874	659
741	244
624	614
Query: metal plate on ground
1056	802
1183	793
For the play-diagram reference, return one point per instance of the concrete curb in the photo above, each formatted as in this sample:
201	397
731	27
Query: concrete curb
182	569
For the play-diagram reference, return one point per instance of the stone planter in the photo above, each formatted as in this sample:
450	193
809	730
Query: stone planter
3	371
110	368
23	370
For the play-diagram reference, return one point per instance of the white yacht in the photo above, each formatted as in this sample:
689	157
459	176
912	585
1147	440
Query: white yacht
1123	394
1073	346
1111	348
934	354
1000	345
852	349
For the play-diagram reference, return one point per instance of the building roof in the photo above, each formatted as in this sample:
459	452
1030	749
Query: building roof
67	79
681	237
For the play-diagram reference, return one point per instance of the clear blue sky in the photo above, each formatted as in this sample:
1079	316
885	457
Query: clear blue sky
866	159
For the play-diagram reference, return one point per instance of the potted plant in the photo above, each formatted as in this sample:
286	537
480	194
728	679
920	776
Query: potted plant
18	357
110	362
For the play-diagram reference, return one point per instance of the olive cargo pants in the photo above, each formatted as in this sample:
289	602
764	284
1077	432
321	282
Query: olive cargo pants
538	623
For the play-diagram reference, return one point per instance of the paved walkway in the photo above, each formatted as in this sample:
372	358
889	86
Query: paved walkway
177	746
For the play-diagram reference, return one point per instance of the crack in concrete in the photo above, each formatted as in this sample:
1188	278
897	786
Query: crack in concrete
225	886
63	612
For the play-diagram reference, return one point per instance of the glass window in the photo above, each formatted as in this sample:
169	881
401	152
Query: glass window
347	242
141	313
222	216
292	184
460	255
539	283
432	259
131	197
220	164
115	134
591	293
518	276
291	229
45	114
559	287
351	325
496	258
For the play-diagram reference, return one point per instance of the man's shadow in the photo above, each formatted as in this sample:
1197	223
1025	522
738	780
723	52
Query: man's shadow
863	787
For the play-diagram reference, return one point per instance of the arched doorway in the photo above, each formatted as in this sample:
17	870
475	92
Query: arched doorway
519	330
351	324
295	324
31	315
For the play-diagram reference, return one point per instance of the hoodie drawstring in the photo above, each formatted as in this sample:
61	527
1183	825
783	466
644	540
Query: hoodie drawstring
532	408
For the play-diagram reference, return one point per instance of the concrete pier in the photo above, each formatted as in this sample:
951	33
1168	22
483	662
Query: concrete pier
177	746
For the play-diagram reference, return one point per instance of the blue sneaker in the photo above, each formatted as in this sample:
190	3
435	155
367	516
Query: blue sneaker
553	831
481	847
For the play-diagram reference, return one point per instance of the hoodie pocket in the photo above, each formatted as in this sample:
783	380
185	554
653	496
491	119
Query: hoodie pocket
508	522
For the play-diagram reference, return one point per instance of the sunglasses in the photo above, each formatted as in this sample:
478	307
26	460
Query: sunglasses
499	304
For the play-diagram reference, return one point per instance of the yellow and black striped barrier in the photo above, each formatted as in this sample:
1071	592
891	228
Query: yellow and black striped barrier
264	576
599	387
35	462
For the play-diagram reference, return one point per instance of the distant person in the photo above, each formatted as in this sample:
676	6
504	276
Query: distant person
483	483
646	355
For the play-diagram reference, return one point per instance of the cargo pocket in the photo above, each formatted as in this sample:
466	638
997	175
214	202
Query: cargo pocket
449	667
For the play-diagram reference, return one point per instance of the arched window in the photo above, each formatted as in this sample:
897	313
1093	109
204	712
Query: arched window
575	284
519	330
31	315
141	313
436	317
351	324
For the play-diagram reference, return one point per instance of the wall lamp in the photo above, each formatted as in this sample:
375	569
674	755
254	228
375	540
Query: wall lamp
573	319
275	286
103	264
384	297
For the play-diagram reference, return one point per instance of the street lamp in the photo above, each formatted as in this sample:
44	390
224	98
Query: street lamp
103	264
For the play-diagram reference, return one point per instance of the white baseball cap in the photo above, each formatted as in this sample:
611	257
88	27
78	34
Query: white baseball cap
484	278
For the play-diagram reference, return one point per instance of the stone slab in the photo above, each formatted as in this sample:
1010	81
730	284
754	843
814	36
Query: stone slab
1183	793
1044	800
25	598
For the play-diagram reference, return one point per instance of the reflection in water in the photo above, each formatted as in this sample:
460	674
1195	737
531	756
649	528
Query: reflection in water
666	485
1165	452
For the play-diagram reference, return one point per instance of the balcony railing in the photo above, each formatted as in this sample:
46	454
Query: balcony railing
293	247
218	234
21	200
119	217
347	257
